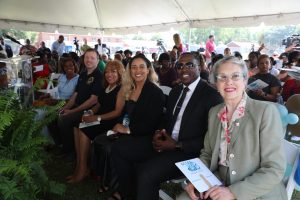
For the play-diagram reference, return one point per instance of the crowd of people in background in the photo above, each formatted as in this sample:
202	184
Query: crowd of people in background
148	132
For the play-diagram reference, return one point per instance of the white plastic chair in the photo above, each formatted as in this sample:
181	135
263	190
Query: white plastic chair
292	156
53	91
163	195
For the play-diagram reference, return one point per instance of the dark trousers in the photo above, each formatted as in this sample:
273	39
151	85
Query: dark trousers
66	126
140	169
54	132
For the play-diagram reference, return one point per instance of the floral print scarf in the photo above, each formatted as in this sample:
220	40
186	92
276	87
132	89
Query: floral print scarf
227	128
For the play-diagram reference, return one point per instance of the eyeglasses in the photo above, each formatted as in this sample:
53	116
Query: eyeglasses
188	65
234	77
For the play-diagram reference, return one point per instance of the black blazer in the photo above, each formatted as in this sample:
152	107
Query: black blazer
195	117
103	47
148	111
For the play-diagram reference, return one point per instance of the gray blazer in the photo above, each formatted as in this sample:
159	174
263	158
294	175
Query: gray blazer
256	156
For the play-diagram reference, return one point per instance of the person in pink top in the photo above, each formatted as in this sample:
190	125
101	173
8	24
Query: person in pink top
210	47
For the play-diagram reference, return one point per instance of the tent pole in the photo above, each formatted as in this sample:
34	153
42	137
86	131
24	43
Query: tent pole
189	41
102	37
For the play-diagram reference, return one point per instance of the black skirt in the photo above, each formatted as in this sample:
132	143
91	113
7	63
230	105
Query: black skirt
93	131
101	161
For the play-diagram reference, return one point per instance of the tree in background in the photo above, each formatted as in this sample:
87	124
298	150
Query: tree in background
271	35
17	34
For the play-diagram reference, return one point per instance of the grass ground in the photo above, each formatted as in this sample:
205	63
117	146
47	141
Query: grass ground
57	169
296	195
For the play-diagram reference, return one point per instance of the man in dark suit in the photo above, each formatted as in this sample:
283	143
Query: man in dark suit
187	118
102	48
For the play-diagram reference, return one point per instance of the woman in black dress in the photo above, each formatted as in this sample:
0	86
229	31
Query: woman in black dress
108	109
142	115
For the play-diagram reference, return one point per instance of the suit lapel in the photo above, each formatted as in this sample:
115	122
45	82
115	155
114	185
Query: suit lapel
171	105
142	98
216	145
176	97
240	125
195	98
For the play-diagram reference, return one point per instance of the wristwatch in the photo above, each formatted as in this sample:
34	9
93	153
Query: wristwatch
99	118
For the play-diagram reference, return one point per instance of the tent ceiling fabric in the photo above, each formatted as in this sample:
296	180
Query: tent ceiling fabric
118	16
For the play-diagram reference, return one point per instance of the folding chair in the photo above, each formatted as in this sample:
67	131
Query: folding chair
53	91
292	156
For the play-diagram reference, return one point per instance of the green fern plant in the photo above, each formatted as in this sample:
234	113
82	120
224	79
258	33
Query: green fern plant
21	151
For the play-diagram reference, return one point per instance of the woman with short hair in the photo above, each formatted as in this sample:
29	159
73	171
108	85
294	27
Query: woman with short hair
244	143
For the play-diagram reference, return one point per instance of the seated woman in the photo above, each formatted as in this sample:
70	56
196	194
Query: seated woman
40	69
270	92
243	145
68	80
66	87
110	109
291	83
143	112
166	74
204	71
252	59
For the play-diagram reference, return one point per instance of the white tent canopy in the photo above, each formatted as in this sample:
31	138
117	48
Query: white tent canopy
131	16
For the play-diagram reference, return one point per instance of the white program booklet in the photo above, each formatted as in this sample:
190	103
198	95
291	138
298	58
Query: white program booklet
84	124
257	85
198	174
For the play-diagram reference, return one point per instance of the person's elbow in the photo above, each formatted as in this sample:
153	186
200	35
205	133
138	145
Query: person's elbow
118	112
93	99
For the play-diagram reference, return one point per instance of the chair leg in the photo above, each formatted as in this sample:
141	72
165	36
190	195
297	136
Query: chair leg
164	196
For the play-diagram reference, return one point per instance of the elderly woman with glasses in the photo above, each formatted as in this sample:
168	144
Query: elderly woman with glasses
244	143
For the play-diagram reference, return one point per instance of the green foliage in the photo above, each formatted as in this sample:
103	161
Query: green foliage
156	37
21	150
32	36
273	35
138	37
14	33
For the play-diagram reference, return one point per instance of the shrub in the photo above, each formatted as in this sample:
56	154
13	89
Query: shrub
21	150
